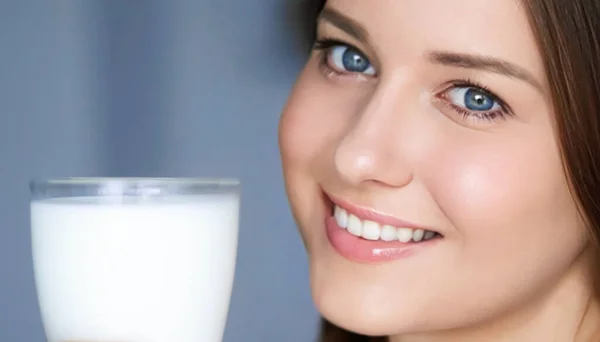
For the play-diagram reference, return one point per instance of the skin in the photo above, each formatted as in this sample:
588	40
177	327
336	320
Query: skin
514	262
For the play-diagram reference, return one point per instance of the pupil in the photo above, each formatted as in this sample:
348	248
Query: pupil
354	61
476	100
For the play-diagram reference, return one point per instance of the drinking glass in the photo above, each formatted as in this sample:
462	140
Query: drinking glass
134	259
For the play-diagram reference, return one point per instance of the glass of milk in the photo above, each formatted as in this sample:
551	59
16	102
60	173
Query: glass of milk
134	260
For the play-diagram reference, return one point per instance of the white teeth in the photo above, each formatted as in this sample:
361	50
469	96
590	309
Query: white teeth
341	217
354	225
418	235
388	233
370	230
404	234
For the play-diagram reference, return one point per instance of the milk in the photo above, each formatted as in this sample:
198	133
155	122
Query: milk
152	270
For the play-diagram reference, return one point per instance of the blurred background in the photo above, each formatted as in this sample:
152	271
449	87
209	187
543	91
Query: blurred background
155	88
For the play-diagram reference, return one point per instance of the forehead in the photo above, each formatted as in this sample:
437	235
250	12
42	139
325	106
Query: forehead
409	28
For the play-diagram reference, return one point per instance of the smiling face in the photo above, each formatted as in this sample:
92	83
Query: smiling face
422	167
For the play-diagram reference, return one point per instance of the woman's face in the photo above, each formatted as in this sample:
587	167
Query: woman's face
422	166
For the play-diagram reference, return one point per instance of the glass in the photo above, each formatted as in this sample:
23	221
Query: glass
134	259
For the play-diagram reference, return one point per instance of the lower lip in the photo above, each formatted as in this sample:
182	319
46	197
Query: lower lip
360	250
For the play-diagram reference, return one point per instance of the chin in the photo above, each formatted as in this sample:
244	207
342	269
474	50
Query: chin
363	307
367	320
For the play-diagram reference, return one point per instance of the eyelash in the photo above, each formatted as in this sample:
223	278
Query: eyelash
323	47
503	113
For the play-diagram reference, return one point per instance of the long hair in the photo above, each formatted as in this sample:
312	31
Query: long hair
568	38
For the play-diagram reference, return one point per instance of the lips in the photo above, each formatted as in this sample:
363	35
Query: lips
365	235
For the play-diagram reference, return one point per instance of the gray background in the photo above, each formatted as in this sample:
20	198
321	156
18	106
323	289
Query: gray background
154	88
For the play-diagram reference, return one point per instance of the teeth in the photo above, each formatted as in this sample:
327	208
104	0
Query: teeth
418	235
341	217
404	234
354	225
370	230
388	233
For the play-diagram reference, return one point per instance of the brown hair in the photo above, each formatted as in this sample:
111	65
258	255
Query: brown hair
568	37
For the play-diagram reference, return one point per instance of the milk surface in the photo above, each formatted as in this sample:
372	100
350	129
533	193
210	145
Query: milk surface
156	270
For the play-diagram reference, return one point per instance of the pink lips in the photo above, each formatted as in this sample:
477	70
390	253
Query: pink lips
371	215
361	250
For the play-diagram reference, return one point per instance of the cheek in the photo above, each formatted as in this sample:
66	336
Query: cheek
307	131
314	120
513	225
508	196
305	127
297	145
296	139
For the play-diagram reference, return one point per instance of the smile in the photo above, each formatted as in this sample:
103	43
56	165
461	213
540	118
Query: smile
371	230
363	235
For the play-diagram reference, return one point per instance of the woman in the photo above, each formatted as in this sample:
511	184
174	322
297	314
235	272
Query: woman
440	161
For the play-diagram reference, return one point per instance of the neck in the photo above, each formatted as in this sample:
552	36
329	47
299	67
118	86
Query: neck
569	311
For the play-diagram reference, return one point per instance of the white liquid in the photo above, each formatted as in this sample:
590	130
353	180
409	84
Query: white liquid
160	270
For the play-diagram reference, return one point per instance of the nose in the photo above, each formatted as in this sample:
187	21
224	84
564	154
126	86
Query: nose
372	149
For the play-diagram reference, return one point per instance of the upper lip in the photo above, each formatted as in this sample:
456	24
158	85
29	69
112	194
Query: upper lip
364	213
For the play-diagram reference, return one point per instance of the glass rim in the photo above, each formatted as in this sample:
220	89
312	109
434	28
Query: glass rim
156	181
130	186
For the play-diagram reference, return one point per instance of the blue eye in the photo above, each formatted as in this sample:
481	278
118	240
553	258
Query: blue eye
348	59
473	99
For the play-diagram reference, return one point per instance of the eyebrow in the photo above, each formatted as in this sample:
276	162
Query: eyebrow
484	63
344	23
452	59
